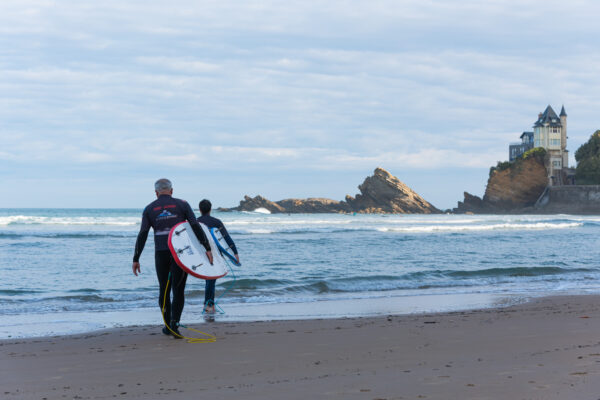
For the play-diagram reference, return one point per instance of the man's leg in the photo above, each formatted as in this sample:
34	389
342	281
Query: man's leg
163	266
178	280
209	294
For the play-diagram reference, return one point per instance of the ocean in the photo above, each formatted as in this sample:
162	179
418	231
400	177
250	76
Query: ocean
69	270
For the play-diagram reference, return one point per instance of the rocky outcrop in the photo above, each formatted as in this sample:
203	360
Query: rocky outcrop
471	204
384	193
512	189
381	193
255	203
314	205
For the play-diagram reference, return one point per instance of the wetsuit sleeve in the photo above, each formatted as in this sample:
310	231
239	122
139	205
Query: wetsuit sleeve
142	236
189	215
228	238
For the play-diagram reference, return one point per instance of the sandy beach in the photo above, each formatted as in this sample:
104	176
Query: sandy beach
545	349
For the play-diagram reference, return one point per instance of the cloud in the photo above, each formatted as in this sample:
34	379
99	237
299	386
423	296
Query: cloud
179	64
294	86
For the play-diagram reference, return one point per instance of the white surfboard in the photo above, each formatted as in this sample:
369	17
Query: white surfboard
190	255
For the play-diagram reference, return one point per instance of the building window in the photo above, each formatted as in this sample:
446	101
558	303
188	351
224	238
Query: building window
556	164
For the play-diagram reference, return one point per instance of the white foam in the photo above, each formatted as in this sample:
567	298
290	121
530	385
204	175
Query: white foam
506	226
289	222
38	220
260	231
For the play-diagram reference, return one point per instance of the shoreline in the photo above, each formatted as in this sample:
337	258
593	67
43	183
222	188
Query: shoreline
24	326
547	348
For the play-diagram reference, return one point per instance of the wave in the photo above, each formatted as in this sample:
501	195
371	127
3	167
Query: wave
290	221
408	281
409	228
470	228
44	220
17	292
497	272
86	298
67	235
298	231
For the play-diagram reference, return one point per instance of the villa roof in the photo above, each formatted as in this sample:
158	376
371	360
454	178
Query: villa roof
548	117
529	134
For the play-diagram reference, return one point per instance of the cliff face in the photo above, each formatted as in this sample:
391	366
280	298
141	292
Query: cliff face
512	189
519	186
380	193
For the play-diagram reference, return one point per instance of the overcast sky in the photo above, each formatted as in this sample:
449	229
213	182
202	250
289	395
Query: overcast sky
280	98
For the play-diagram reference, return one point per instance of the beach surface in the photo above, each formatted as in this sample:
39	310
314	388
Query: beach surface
546	349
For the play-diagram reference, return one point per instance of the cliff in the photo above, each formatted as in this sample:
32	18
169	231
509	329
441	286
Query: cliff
381	193
510	188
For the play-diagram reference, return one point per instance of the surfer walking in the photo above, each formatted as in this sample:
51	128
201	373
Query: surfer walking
205	207
161	215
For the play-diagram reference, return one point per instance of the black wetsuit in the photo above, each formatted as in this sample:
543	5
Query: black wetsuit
161	215
212	222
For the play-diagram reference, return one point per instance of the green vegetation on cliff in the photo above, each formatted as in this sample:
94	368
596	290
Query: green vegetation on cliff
588	161
538	153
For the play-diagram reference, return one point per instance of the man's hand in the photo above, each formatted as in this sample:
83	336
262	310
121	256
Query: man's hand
210	258
136	268
237	258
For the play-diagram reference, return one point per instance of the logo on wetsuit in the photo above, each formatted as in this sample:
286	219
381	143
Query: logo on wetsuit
165	215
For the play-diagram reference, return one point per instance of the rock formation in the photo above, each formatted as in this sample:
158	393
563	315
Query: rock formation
384	193
314	205
381	193
510	190
253	203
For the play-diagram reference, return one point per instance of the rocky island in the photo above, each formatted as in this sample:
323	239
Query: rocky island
381	193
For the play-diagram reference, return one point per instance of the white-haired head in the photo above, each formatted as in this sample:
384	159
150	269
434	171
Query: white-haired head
163	186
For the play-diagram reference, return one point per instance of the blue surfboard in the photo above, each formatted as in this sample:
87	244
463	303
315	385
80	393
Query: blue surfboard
223	246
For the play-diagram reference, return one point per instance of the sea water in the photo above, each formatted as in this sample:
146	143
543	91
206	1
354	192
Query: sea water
69	270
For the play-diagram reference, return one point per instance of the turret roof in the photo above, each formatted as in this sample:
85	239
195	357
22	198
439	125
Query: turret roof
548	117
563	113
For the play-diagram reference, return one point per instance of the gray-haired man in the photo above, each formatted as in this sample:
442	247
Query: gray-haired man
162	214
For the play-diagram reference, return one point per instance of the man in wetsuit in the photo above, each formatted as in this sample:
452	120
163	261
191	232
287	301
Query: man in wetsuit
212	222
163	214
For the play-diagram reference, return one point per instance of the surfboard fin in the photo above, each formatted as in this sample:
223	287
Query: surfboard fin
180	251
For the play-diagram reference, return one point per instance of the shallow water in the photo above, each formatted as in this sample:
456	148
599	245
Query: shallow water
75	265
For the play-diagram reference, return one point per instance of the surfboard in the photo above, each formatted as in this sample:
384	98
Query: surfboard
190	255
223	246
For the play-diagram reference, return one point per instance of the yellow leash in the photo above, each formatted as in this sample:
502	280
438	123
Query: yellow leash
209	339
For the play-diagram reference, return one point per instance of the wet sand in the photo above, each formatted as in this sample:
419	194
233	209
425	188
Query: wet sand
546	349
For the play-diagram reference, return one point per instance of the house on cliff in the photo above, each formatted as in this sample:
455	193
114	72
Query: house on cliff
549	132
516	150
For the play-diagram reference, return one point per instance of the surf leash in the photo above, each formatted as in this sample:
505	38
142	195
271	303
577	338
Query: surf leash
208	337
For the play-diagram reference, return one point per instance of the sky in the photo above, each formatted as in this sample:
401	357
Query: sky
280	98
